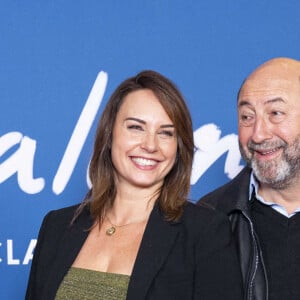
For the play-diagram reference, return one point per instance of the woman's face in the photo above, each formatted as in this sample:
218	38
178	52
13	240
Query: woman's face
144	143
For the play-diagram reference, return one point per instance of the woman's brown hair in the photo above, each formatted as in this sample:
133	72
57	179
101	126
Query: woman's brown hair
176	186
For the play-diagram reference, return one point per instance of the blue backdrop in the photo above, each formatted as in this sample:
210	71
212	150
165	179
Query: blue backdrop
60	61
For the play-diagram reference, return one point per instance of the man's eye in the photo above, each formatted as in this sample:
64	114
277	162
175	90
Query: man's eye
277	116
246	119
277	113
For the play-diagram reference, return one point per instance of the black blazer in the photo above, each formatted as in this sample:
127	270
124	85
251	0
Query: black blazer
190	259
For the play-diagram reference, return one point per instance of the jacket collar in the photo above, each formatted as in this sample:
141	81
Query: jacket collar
68	248
157	242
236	193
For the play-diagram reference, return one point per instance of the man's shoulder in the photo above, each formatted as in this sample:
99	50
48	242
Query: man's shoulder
226	196
201	213
198	219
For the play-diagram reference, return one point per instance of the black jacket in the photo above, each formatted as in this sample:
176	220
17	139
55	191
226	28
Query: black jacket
233	199
194	258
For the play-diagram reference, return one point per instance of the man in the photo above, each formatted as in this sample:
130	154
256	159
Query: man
263	201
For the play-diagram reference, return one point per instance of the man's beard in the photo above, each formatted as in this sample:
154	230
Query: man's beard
280	172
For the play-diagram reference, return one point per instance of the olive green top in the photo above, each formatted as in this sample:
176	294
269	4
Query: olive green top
84	284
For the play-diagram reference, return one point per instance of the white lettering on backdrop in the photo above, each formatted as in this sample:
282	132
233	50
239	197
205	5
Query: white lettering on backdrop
80	133
20	162
207	140
210	147
12	260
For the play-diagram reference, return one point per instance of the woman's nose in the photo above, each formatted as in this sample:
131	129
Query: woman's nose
150	142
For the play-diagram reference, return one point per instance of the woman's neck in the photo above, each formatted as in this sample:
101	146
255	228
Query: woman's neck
132	205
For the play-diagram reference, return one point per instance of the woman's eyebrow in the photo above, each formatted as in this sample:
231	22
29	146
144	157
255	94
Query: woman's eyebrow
144	122
135	119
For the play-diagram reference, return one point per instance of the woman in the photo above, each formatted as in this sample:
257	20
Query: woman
135	236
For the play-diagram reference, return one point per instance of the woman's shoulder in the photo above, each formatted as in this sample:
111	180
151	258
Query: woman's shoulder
63	212
64	216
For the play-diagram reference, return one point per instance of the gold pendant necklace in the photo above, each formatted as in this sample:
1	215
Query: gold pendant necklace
112	229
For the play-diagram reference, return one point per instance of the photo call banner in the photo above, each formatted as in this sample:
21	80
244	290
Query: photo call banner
60	62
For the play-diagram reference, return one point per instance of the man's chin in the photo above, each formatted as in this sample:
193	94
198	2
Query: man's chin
264	174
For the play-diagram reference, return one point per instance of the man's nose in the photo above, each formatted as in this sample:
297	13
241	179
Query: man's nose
261	131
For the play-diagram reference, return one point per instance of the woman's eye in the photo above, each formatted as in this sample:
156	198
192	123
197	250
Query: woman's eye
166	133
134	127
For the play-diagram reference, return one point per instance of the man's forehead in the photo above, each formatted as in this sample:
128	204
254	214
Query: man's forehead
271	86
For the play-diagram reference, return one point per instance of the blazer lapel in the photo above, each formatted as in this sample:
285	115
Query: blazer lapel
67	250
158	240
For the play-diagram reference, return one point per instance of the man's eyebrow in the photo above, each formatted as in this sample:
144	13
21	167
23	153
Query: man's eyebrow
244	103
277	99
274	100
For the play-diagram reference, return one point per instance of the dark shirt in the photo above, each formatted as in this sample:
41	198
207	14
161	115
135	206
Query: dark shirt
279	237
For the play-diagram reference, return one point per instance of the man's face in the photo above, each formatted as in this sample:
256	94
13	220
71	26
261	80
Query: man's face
269	125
